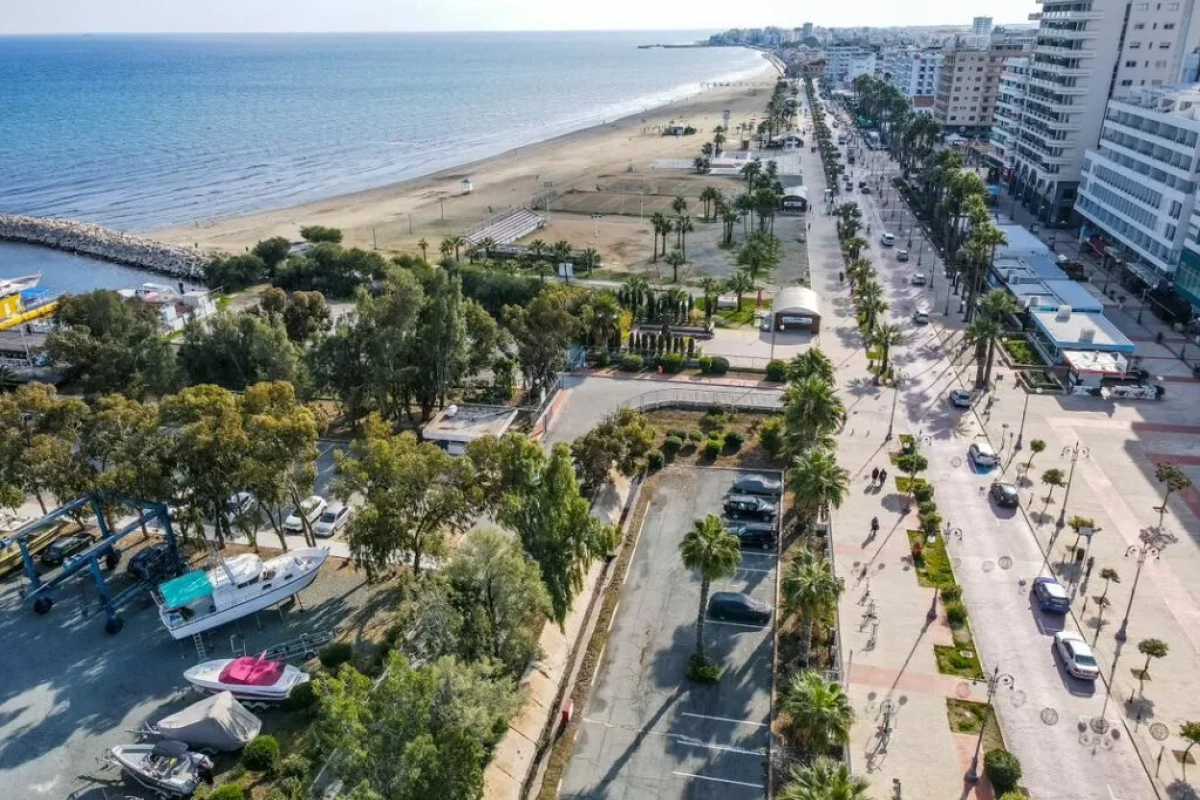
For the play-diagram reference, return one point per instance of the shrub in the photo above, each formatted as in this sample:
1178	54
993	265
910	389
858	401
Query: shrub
956	613
701	670
671	363
734	441
678	433
230	791
951	594
777	370
1002	769
770	436
711	421
713	448
261	755
923	491
719	365
301	697
931	524
632	363
603	359
925	507
696	436
671	445
291	788
334	655
655	460
705	364
1013	795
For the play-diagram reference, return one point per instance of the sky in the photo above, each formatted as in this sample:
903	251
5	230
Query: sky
213	16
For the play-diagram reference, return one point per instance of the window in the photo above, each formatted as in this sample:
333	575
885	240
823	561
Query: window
1135	45
1127	82
1142	7
1138	26
1160	64
1176	209
1131	63
1172	6
1164	45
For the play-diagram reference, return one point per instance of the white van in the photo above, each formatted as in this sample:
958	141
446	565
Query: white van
887	240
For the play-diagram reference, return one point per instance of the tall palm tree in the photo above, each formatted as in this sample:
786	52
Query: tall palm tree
739	284
729	219
719	139
601	317
982	333
869	311
458	242
885	337
854	247
712	290
658	221
446	248
751	172
817	480
684	226
675	260
637	287
989	238
487	245
821	714
674	304
590	257
713	552
812	411
811	362
424	245
709	197
824	778
679	205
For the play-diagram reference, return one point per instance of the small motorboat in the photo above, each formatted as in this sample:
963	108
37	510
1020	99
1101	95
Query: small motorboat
247	678
218	723
166	768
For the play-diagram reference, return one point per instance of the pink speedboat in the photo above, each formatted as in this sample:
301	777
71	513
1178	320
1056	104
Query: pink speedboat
247	678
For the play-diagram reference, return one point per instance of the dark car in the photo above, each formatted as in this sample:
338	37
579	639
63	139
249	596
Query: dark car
758	484
64	547
744	506
1005	494
1051	596
738	607
755	534
151	563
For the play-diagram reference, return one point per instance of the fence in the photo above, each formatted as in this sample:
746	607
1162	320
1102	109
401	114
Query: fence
765	400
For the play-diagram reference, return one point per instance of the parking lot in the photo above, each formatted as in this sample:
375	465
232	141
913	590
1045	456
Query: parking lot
647	731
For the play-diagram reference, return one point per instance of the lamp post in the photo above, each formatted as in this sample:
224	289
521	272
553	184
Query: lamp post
900	377
1153	542
1142	306
995	681
1074	452
1024	411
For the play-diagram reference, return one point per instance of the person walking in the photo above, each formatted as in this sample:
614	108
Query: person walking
874	526
875	476
882	477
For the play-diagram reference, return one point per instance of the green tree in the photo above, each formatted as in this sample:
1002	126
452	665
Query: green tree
824	778
820	712
319	233
884	338
591	257
675	260
237	350
1109	576
816	480
759	255
620	441
438	353
709	195
854	247
811	590
1190	733
414	494
1151	648
1036	446
811	362
236	272
129	454
912	463
500	595
1054	478
1173	480
280	463
542	331
740	283
273	252
812	413
714	553
424	245
306	316
601	320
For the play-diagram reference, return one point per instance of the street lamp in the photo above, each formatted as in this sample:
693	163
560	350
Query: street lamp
1024	411
1145	292
995	681
1074	452
900	378
1153	542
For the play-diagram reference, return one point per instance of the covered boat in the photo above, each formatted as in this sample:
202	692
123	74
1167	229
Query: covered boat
247	678
219	722
167	768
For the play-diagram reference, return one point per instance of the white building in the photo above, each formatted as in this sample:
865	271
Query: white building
981	26
844	63
969	83
1087	51
1138	185
1006	120
913	71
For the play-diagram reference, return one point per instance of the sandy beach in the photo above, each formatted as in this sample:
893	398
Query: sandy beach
607	169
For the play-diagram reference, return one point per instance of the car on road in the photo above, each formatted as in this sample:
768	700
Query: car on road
1005	494
755	534
960	398
902	255
237	505
887	239
920	317
311	508
865	190
1050	595
982	454
849	187
918	279
745	506
1076	655
64	547
758	484
738	607
331	521
151	563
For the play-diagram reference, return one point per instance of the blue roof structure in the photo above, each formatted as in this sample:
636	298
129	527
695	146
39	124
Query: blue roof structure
1081	331
1074	295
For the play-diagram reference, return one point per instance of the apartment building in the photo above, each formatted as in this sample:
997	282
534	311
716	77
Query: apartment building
844	63
1086	52
969	82
1187	275
1006	120
913	71
1138	187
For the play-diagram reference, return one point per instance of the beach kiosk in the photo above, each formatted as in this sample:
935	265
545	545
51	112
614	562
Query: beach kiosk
796	308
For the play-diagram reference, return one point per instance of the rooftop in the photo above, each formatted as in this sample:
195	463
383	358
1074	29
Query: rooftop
468	423
797	298
1082	330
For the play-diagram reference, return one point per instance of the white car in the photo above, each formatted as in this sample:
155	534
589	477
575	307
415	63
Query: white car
239	504
887	240
1076	655
920	317
311	508
982	454
918	279
332	520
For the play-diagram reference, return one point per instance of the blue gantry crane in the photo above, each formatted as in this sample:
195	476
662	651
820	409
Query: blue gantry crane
41	596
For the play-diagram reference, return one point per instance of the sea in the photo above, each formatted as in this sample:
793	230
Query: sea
146	132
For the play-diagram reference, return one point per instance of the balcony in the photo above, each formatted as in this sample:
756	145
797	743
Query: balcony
1069	16
1066	34
1061	52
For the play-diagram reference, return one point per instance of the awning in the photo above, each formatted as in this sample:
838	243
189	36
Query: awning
184	589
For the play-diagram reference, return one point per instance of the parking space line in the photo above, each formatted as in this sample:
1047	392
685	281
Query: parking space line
766	627
724	719
718	780
755	569
679	737
771	556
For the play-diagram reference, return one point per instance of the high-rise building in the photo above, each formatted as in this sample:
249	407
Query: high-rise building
913	71
968	83
981	26
1138	187
1006	121
806	31
844	63
1086	52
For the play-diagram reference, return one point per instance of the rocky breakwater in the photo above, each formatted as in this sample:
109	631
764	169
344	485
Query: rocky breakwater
95	241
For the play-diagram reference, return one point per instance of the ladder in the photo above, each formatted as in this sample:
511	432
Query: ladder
198	640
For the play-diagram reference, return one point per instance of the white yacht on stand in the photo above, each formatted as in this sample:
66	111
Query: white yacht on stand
236	587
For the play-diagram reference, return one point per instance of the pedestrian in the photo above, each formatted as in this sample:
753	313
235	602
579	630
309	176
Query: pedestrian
882	477
841	277
874	525
875	476
1087	572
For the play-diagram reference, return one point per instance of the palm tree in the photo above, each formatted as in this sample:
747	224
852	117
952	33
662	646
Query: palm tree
988	237
446	248
683	226
487	245
816	480
709	197
538	249
729	219
869	310
719	139
602	319
854	246
675	260
811	411
713	552
457	242
658	221
679	205
701	164
885	337
811	362
590	257
712	290
637	287
821	714
986	329
424	245
751	172
739	284
673	305
824	778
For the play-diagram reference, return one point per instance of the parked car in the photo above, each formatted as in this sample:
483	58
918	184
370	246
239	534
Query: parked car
902	255
887	239
332	520
738	607
849	187
1076	655
1050	595
982	454
151	563
64	547
239	504
311	508
920	317
755	534
745	506
918	279
960	398
758	484
865	190
1005	494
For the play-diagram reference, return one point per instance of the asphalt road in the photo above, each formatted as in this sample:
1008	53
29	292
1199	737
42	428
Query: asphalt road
647	732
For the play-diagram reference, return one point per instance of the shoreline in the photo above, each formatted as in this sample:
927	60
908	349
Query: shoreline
395	216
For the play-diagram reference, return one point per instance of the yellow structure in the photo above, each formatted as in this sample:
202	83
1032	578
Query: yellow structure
13	310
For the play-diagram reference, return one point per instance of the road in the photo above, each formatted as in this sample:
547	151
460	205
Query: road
1045	715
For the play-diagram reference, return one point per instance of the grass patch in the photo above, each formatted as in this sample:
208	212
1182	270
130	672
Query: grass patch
967	716
952	660
744	316
932	565
1022	352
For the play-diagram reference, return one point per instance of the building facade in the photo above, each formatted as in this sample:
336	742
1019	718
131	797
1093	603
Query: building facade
913	71
844	63
1138	185
969	82
1006	121
1086	52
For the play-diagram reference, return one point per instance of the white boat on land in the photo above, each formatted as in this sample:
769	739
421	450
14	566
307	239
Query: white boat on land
247	678
167	768
234	588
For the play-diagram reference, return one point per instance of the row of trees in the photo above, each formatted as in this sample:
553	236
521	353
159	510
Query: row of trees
865	290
